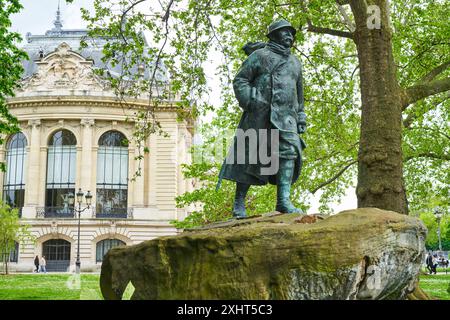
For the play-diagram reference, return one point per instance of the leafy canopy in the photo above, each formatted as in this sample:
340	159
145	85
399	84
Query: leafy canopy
182	35
10	65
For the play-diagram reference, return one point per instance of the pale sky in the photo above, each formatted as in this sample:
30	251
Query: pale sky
38	15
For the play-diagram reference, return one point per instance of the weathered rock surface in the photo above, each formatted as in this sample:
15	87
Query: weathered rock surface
357	254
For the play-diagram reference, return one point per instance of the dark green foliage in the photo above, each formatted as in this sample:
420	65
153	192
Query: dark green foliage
10	66
11	231
182	34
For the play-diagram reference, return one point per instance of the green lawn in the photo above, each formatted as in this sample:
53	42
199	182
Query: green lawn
439	269
436	285
67	287
49	287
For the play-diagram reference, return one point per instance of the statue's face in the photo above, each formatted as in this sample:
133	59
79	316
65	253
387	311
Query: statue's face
284	37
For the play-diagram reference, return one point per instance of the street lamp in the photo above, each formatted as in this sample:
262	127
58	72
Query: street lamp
88	197
438	213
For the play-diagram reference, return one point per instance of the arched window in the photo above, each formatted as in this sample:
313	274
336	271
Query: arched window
57	254
14	181
112	175
105	245
61	164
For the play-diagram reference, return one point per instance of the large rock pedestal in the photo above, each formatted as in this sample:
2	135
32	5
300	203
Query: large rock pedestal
357	254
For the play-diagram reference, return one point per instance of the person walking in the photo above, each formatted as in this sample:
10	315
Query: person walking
43	264
429	262
434	264
36	264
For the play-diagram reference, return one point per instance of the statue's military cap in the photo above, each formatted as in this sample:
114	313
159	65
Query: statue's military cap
279	25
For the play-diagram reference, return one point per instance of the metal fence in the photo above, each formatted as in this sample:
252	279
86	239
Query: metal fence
55	212
115	213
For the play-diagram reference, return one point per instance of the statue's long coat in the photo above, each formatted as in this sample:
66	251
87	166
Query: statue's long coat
269	89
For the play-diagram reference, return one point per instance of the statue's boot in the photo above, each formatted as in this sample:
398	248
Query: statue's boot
239	200
284	180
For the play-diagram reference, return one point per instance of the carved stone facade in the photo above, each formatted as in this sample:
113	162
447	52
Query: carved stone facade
64	69
64	94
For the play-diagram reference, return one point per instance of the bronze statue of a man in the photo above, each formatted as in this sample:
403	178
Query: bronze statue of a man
269	89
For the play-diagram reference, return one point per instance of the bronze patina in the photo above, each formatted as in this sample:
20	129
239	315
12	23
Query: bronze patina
269	89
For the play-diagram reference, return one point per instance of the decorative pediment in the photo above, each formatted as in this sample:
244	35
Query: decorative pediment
64	69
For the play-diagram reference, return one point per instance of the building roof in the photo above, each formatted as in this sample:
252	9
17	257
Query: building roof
39	46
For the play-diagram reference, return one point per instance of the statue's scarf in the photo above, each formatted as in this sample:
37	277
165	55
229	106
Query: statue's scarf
278	48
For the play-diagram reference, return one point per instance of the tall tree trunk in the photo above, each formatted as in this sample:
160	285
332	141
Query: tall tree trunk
5	265
380	163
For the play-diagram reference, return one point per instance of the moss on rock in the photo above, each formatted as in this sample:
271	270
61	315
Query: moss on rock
357	254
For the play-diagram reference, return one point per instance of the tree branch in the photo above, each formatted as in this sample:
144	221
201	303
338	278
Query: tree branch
431	155
429	47
315	68
424	90
219	42
286	4
333	32
330	155
353	73
435	72
414	115
329	31
337	175
359	9
167	14
124	14
435	130
350	25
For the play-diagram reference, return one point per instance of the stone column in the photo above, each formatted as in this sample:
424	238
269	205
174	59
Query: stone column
34	168
2	159
189	186
85	167
131	171
86	155
181	152
43	150
139	182
151	171
181	157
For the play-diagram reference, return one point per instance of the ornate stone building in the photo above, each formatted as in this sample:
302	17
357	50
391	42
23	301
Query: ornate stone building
74	135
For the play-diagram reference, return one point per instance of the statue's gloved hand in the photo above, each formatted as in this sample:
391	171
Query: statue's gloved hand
301	128
301	122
